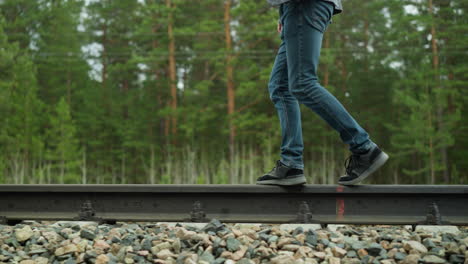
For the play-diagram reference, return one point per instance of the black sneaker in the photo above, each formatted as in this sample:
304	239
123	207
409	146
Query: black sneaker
360	166
283	175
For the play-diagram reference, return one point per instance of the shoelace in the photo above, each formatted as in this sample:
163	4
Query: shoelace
351	162
274	168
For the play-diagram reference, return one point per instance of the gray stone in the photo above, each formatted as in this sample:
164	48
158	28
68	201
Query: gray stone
411	259
264	236
273	239
87	234
63	234
112	258
186	225
214	225
383	254
219	261
70	261
247	226
455	259
146	245
64	257
12	242
438	251
244	261
73	223
291	227
409	245
177	245
357	245
438	229
132	226
311	239
219	251
374	249
387	237
232	244
452	248
216	242
324	241
350	261
351	254
298	230
6	253
90	254
37	251
207	256
335	227
427	242
128	240
365	259
447	237
433	259
400	255
23	234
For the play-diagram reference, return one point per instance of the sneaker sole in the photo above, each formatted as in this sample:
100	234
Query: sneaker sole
381	159
286	182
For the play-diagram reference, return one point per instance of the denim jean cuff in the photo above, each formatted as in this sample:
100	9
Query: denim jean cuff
292	165
365	147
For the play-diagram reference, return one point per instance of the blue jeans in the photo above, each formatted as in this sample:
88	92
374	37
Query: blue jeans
294	80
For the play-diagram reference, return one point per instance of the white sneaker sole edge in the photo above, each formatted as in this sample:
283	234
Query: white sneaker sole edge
288	182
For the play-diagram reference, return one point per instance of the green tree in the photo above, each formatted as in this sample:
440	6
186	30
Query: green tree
21	142
62	145
422	131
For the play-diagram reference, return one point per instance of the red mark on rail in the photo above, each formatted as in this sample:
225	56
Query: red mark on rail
340	204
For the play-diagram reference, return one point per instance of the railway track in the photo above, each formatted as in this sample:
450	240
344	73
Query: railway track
323	204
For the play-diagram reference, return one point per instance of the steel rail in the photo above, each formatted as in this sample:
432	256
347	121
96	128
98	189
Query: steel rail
324	204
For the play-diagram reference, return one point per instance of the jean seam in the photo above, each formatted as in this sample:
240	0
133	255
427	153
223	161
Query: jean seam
333	117
300	29
286	131
281	97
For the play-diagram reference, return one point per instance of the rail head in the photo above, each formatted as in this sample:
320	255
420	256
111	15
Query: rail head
237	188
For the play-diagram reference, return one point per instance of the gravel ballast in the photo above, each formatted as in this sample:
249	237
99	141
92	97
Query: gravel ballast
215	242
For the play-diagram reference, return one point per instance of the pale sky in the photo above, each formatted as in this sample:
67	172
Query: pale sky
95	49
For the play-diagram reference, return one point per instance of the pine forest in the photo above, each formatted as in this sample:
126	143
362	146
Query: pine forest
176	91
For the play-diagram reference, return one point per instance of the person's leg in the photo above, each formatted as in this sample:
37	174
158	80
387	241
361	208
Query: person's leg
289	169
288	112
304	24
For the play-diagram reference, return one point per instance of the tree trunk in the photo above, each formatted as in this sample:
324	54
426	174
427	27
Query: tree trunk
123	169
435	65
152	168
104	56
49	180
395	176
324	160
62	170
125	88
366	43
83	168
164	123
230	80
172	71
